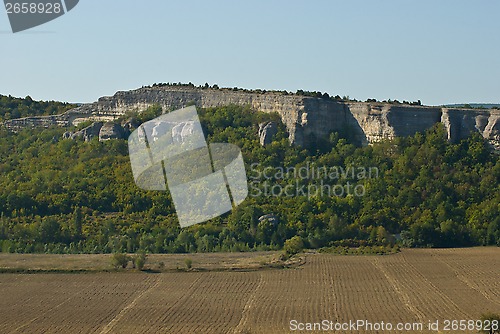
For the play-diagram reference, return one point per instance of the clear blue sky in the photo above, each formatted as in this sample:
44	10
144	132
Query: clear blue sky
434	50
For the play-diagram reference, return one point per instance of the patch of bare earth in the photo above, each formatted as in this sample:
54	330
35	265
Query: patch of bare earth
412	286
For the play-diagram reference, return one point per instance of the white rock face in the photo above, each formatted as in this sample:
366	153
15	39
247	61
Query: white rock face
307	119
267	131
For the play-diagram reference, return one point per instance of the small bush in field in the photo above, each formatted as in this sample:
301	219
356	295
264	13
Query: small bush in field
120	260
139	261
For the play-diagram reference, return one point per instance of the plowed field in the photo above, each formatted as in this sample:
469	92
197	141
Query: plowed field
415	286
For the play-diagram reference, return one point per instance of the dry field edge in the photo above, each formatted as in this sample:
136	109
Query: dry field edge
156	263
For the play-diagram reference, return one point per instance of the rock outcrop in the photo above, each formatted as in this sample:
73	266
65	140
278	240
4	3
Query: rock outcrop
111	130
459	123
130	125
106	131
384	121
307	119
267	131
271	217
86	134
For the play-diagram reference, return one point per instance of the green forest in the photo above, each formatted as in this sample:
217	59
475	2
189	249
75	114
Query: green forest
14	107
71	196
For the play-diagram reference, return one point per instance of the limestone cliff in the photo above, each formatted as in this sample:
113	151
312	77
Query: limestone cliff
307	119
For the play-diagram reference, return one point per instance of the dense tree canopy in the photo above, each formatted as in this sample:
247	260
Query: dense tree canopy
13	107
73	196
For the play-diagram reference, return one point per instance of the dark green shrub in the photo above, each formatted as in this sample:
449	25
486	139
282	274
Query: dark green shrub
120	260
139	261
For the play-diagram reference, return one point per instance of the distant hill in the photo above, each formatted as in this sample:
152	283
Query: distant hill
15	107
309	117
474	105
